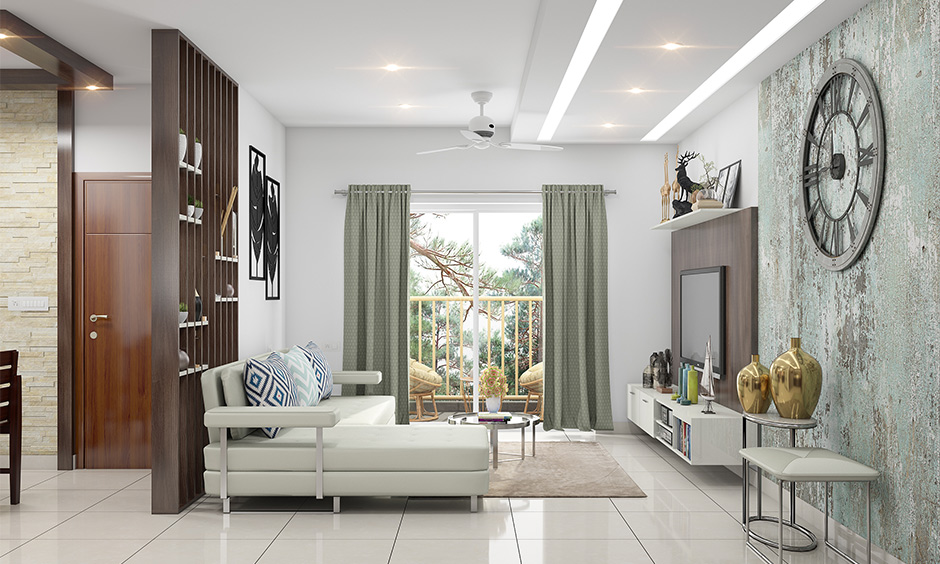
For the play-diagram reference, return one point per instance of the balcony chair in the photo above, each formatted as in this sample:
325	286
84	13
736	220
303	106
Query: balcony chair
533	380
423	382
11	419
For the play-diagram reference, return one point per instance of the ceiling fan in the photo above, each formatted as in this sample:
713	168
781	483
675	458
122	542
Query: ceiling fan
481	129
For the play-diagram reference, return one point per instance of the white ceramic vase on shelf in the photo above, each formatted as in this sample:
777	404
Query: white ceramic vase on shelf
190	210
197	155
182	147
183	316
492	404
197	213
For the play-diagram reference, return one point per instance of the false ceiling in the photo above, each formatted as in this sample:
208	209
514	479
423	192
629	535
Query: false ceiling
320	63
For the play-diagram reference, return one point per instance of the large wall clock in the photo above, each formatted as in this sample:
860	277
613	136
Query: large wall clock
843	164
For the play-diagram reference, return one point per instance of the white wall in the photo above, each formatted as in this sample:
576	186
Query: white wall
321	160
260	321
112	129
726	138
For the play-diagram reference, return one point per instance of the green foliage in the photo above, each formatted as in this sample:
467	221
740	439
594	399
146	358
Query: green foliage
190	200
183	307
198	203
182	132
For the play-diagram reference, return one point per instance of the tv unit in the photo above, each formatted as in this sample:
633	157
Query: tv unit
702	315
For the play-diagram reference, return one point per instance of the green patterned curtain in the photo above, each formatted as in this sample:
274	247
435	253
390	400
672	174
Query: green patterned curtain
577	365
375	328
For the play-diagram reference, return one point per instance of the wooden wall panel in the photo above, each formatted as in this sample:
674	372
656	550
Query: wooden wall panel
729	241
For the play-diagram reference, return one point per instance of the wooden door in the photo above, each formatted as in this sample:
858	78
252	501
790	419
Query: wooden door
116	325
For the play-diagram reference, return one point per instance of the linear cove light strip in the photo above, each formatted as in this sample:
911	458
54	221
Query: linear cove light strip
594	31
773	31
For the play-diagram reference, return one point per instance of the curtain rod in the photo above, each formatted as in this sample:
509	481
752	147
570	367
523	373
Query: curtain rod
479	192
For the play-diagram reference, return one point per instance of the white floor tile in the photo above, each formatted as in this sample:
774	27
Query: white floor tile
328	551
668	500
111	525
687	551
666	480
731	501
702	525
6	545
28	525
712	477
93	480
342	526
479	551
142	484
355	504
178	551
28	479
643	464
55	500
73	551
203	524
571	525
556	551
456	505
498	525
562	504
633	449
124	500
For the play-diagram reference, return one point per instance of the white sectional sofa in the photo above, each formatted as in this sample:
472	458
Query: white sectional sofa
345	446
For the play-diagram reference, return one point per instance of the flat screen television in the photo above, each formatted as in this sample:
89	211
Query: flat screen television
702	315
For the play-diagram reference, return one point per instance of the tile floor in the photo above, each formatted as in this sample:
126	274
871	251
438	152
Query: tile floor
690	514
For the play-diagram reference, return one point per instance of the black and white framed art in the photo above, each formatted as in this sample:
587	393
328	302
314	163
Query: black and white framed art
272	239
728	183
258	170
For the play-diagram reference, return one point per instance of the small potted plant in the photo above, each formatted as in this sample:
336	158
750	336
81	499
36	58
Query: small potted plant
197	154
182	146
197	213
191	206
184	312
493	387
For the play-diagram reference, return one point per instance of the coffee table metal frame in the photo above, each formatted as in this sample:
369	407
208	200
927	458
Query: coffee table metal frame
773	420
518	421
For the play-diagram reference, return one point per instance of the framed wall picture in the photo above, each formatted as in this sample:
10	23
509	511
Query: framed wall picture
258	170
272	239
728	183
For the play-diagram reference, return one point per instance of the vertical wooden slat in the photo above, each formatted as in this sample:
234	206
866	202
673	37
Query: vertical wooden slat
64	312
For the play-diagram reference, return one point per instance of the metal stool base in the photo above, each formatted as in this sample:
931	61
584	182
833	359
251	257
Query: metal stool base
810	546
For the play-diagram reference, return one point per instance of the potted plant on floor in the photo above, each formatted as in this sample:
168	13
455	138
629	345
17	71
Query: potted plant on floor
197	213
493	387
182	146
191	206
184	312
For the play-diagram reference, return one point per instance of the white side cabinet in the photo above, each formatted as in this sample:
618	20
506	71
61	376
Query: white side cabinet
698	438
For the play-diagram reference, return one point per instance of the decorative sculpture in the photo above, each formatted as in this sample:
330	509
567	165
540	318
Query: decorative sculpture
661	365
665	190
682	204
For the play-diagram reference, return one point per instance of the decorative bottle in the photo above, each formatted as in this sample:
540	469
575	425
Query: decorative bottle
795	382
754	386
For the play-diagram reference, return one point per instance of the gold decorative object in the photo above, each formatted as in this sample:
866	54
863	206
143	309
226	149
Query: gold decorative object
795	382
754	386
666	190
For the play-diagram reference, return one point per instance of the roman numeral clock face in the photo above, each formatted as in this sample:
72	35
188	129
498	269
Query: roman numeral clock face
843	164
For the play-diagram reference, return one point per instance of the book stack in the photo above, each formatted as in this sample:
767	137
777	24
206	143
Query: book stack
498	417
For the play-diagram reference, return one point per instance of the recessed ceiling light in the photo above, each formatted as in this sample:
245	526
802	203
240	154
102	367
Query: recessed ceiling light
636	91
786	20
405	106
672	46
3	36
92	87
608	125
594	31
391	68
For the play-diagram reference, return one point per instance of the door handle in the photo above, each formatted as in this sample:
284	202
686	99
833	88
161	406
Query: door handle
96	316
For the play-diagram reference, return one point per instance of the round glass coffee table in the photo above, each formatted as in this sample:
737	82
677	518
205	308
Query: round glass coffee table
518	421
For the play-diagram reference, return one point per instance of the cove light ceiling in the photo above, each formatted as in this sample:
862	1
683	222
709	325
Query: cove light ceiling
594	32
672	46
392	68
777	28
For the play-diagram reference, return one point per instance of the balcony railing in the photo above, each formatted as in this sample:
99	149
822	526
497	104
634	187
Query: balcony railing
441	337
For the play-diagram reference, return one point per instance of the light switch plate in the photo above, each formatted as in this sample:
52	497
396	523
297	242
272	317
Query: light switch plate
28	303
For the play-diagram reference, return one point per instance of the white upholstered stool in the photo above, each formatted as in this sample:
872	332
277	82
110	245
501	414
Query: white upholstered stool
808	465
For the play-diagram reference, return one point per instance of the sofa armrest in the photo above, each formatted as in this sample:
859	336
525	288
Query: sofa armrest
287	417
344	377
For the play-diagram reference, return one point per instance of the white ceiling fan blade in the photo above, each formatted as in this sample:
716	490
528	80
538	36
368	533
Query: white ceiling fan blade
444	149
529	147
471	135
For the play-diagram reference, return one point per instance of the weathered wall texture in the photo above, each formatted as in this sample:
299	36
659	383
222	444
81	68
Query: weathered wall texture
28	255
874	327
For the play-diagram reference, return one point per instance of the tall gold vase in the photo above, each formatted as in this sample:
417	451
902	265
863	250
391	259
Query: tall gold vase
754	386
795	382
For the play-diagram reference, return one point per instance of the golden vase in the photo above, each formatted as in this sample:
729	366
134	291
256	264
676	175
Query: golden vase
795	382
754	386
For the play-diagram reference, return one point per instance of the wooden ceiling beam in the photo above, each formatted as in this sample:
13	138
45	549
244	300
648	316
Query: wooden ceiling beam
51	56
29	79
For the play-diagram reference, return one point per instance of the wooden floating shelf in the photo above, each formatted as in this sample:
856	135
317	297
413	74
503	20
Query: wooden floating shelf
226	259
186	324
220	299
194	369
188	219
694	218
190	168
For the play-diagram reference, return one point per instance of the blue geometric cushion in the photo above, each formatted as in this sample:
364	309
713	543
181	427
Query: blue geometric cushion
268	383
300	363
322	369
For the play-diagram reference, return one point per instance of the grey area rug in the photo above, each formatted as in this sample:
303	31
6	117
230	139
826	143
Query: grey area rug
561	469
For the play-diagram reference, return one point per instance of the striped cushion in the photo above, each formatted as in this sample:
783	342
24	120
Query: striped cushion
322	369
268	383
300	363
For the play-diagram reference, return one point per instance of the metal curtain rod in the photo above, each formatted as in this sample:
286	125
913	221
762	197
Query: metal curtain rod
480	192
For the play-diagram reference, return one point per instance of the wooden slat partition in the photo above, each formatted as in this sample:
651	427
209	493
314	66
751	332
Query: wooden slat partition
190	93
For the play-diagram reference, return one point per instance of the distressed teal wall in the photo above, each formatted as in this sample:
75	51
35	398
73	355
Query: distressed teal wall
875	327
